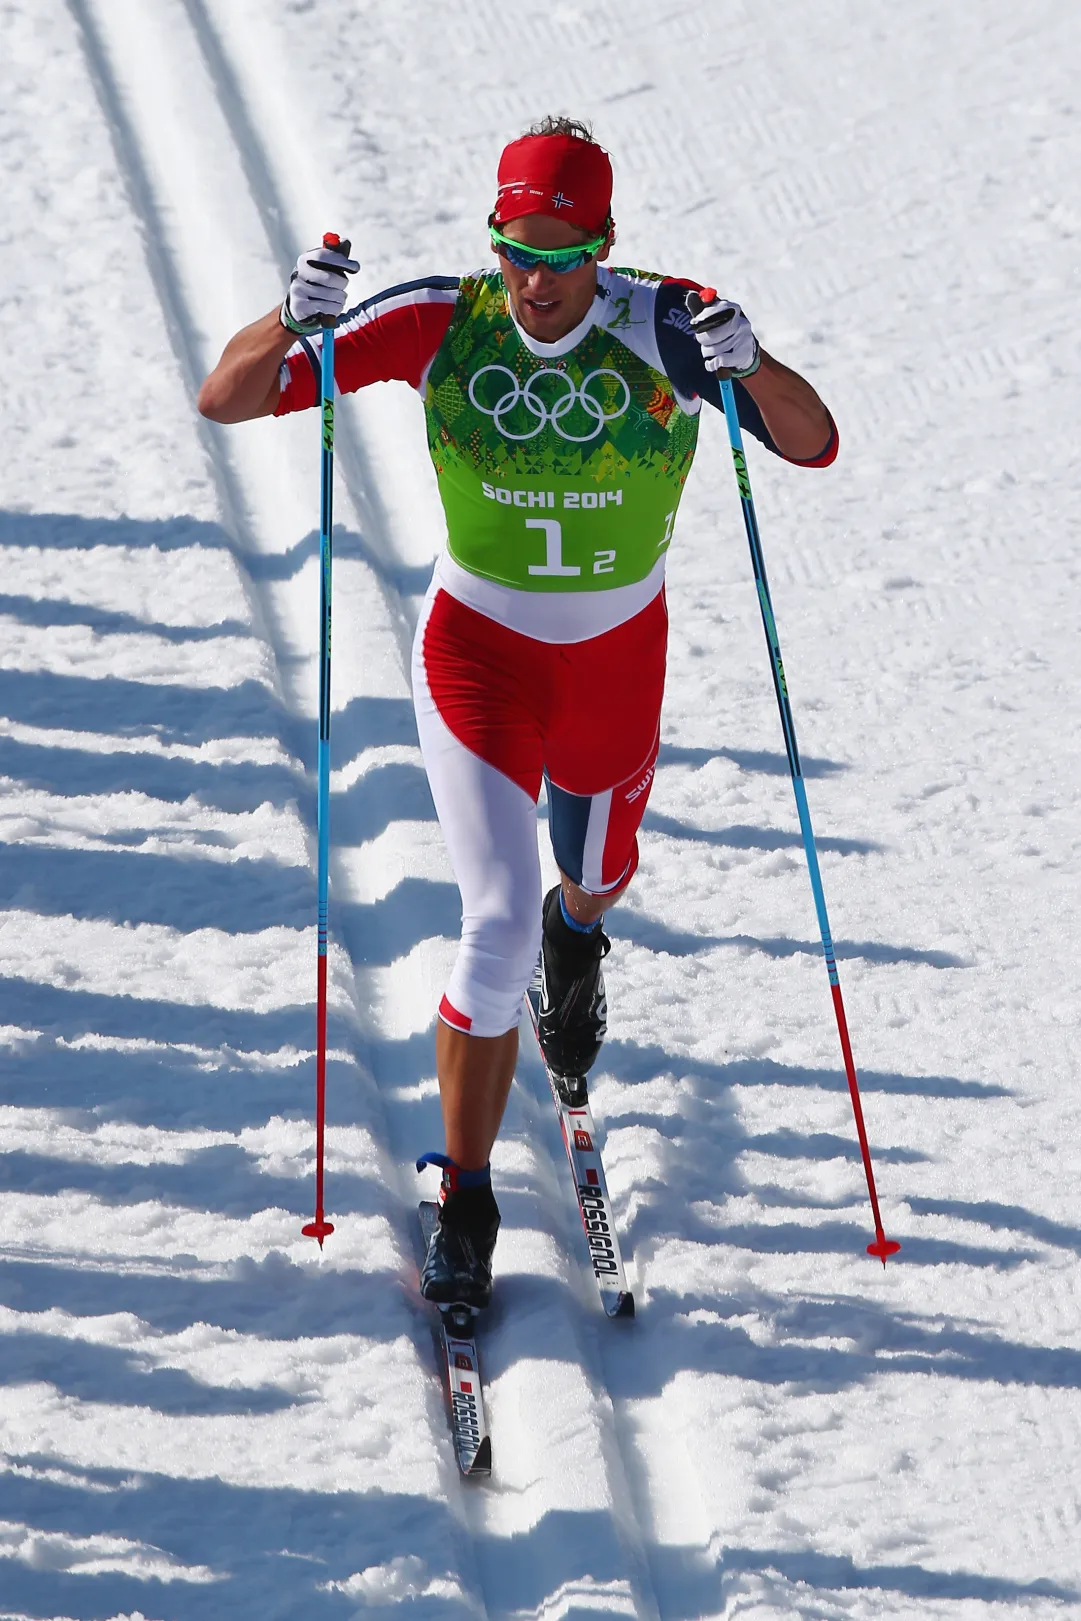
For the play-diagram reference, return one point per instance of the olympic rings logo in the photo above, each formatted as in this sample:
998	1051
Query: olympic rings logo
550	415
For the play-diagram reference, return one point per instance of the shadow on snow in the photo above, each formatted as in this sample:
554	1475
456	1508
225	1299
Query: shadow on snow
280	1546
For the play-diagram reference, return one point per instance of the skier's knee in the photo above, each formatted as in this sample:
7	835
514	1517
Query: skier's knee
495	961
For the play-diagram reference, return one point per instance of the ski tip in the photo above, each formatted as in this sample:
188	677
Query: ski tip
482	1460
883	1247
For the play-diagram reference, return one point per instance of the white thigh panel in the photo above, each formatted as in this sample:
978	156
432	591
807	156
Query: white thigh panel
490	827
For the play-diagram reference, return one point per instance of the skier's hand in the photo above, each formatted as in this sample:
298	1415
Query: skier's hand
317	287
729	346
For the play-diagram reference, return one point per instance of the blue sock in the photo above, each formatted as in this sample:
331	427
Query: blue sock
472	1179
453	1175
572	923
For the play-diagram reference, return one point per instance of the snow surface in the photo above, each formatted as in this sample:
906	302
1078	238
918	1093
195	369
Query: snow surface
202	1418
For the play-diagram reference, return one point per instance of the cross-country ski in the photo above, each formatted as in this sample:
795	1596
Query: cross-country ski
461	1361
571	1099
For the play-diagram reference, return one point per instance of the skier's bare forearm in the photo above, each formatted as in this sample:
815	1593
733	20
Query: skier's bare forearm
244	383
798	422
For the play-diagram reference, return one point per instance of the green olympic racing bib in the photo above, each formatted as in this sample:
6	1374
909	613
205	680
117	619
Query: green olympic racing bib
555	474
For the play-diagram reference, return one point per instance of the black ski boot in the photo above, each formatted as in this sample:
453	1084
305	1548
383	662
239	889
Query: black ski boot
457	1269
573	1015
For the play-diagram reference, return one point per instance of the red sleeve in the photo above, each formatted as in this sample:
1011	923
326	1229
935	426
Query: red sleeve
393	336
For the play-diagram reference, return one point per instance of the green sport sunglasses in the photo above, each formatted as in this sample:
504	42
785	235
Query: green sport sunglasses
559	260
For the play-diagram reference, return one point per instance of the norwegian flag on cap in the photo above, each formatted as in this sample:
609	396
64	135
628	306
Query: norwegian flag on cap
559	175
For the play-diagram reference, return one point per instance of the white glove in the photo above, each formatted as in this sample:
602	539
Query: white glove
729	346
317	287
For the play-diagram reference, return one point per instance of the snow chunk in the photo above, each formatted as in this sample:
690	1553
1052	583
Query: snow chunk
139	822
403	1578
95	1556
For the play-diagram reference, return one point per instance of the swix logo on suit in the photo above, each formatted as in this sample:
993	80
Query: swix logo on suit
639	789
596	435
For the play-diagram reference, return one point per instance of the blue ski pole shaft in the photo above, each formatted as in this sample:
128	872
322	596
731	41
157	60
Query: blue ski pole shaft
320	1228
883	1246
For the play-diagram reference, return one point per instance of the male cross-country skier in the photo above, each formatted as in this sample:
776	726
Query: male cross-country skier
562	402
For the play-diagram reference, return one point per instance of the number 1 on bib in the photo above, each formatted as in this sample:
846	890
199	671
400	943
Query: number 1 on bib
553	558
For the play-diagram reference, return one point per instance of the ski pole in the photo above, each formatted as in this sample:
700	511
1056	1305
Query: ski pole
882	1246
320	1228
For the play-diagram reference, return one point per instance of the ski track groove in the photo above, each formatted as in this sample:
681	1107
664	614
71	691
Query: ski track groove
628	1488
162	270
354	466
168	283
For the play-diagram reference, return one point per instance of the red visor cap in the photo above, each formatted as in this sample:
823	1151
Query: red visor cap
557	175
